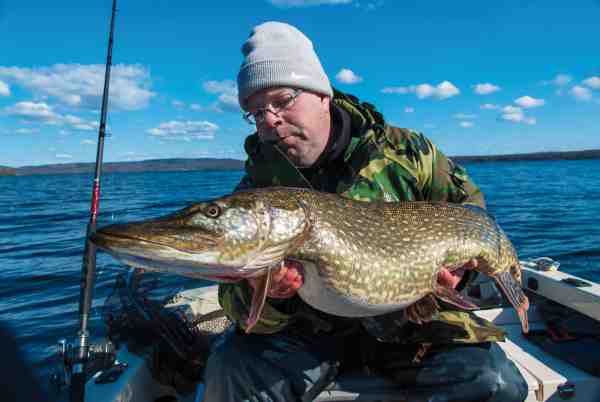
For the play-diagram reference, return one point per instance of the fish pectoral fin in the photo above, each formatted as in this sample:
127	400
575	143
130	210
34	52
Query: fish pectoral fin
267	257
422	310
259	297
451	296
514	293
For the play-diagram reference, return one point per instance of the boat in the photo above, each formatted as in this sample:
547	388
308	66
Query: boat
156	350
558	362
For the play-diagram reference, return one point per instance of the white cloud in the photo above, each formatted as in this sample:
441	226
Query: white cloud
228	102
486	88
512	113
443	90
184	130
516	115
27	130
592	82
347	76
43	113
581	93
34	111
409	110
424	91
196	107
4	89
489	106
397	90
464	116
88	142
177	104
306	3
228	95
63	156
466	124
215	87
80	124
131	156
529	102
559	81
78	85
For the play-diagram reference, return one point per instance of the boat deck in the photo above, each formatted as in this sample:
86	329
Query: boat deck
550	379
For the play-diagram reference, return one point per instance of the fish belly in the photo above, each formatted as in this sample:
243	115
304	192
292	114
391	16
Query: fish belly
317	293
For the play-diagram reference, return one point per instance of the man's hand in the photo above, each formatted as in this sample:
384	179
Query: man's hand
285	281
452	279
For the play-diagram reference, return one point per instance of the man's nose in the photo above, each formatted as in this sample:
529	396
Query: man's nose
271	119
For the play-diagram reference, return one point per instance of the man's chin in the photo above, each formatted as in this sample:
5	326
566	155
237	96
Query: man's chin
295	158
299	160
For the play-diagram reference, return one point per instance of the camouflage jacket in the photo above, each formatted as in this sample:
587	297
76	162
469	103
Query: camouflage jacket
379	162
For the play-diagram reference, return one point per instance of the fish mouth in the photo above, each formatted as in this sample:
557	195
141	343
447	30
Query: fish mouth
108	241
159	257
128	235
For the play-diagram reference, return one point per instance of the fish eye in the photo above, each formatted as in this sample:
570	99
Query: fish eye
213	211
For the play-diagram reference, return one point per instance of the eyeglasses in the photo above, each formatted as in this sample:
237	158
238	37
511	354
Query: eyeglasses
285	102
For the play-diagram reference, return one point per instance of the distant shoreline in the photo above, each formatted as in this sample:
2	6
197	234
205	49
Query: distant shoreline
184	165
151	165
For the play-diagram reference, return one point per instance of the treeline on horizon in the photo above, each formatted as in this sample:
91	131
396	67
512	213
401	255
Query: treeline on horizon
152	165
181	165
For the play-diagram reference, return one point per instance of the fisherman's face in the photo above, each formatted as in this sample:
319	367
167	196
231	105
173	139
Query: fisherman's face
300	128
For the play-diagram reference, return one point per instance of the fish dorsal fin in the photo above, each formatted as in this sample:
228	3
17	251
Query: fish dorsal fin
478	210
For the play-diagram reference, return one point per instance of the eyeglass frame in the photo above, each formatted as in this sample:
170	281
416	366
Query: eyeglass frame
252	119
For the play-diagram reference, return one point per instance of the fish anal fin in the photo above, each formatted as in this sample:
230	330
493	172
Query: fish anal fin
422	310
451	296
514	293
259	297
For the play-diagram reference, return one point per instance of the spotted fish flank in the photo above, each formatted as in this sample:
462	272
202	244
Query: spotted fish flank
360	259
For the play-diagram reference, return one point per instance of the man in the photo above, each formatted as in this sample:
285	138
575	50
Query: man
309	135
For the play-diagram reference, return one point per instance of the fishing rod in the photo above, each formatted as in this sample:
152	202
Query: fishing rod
88	268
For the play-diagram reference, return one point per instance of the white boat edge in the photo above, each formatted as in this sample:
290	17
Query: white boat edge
549	378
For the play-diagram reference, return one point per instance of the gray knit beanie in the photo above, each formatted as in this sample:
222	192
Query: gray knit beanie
278	54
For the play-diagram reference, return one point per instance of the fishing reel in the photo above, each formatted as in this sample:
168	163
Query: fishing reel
86	361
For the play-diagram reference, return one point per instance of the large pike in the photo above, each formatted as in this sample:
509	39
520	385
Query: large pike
360	259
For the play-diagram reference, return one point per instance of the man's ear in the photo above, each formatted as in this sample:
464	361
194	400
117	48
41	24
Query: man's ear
325	101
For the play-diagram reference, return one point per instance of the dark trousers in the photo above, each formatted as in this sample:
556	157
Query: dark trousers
282	366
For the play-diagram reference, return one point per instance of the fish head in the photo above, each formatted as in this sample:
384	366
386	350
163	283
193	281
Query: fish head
226	239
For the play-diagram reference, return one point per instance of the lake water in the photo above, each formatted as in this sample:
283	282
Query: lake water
548	208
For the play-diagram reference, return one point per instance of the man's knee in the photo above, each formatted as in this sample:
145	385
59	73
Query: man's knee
500	387
225	362
490	374
502	379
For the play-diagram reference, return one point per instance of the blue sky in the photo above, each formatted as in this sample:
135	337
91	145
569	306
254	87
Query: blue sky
476	77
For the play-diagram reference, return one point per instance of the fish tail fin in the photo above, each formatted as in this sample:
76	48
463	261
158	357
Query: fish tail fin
514	293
